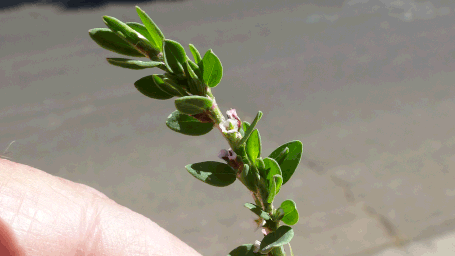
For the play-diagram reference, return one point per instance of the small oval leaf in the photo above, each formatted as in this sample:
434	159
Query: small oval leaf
108	40
134	64
213	173
291	215
281	236
174	56
243	250
212	70
147	86
291	160
187	125
192	105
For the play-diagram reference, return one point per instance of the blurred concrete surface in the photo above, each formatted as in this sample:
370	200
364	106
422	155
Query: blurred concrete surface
367	86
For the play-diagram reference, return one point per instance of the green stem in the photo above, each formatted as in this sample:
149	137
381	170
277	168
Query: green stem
260	195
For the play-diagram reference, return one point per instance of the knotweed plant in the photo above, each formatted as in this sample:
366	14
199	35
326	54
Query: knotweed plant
191	82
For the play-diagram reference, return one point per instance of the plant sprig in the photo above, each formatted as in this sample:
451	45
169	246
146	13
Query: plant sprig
197	113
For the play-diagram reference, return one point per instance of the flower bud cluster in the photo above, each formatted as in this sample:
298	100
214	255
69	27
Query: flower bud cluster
231	127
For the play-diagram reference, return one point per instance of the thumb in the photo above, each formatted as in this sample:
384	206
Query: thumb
41	214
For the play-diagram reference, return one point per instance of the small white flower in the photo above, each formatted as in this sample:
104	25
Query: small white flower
229	126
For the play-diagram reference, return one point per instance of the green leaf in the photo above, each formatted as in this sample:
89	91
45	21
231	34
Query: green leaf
196	55
291	215
260	163
273	169
187	125
272	166
212	70
258	211
251	128
213	173
253	146
243	250
195	68
169	86
272	191
244	127
280	237
174	56
291	160
248	178
136	39
147	86
118	26
134	64
280	158
196	87
141	29
279	182
109	40
192	105
191	72
156	35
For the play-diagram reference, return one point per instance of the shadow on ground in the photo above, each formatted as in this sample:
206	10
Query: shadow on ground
74	4
89	4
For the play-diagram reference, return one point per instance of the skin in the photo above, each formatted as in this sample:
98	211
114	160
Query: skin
41	214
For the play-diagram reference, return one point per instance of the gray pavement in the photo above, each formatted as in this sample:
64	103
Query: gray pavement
367	87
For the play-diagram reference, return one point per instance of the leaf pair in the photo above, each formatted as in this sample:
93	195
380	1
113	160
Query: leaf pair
280	237
289	212
272	173
207	69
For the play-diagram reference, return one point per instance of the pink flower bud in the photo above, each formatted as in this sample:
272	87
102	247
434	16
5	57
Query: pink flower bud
232	114
223	154
227	155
